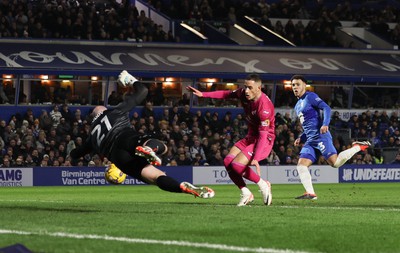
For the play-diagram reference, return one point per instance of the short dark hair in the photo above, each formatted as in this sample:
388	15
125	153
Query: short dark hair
298	77
254	77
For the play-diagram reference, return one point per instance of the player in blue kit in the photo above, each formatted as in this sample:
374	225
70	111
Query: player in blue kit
316	136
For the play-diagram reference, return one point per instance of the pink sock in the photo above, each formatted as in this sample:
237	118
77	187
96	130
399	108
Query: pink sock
236	173
251	175
236	179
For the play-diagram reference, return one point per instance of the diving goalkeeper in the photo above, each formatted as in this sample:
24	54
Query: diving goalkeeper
112	136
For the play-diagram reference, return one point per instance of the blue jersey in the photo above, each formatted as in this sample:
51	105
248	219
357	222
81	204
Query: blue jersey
308	108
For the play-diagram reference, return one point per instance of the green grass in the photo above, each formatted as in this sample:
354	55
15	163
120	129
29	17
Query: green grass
345	218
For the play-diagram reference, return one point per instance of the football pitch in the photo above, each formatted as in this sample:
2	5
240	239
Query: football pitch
69	219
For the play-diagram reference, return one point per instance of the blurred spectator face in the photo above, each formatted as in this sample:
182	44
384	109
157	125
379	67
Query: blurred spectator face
35	152
181	150
18	162
6	162
10	151
78	141
182	157
67	163
61	148
187	108
61	159
97	161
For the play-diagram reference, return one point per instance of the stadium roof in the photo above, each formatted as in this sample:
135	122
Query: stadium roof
187	60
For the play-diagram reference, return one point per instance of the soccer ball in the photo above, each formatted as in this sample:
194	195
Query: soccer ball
114	175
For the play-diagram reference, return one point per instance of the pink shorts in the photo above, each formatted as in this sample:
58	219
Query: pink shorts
246	145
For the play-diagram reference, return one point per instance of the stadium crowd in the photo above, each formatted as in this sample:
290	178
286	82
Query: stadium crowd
324	17
85	20
119	20
192	137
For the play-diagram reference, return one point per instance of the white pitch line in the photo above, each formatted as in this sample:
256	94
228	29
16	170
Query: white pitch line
345	208
222	247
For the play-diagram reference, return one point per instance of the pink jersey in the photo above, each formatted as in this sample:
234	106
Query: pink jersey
259	114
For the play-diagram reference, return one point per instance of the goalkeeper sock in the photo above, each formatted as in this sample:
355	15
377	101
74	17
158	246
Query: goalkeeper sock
251	175
169	184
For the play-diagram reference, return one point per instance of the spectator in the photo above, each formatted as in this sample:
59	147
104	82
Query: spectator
148	110
185	115
207	118
63	128
197	149
216	159
367	157
377	157
385	138
35	157
183	160
176	134
6	162
166	115
198	160
279	120
78	117
172	163
45	121
66	113
273	159
185	130
396	159
29	162
55	116
226	121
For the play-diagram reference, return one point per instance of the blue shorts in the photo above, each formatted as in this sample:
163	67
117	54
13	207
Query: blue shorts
323	145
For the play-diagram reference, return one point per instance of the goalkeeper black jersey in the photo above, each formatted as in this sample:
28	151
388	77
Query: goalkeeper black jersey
108	125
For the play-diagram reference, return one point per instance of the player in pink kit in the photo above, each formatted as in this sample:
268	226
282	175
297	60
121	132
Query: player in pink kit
257	144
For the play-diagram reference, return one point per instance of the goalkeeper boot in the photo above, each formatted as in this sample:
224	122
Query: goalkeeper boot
198	191
265	189
157	146
126	79
245	199
362	144
149	154
307	195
